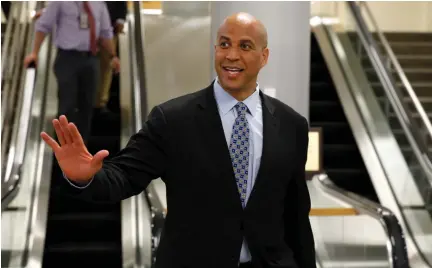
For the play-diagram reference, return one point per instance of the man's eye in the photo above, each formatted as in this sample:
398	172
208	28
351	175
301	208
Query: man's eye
224	44
245	46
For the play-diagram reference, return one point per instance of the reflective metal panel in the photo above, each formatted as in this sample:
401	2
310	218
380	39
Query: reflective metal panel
177	53
26	222
386	166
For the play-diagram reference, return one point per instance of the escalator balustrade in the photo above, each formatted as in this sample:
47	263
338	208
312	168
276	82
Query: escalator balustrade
342	160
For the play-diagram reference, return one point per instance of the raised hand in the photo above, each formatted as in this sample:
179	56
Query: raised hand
72	155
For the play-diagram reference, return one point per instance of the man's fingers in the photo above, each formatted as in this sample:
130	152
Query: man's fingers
64	126
59	132
99	157
76	136
50	141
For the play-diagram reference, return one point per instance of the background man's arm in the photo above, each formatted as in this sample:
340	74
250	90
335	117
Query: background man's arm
45	23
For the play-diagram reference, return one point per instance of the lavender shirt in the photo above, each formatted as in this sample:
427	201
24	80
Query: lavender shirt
65	16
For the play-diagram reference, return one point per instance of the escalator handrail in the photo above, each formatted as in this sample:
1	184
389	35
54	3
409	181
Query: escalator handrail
396	245
142	244
390	53
11	177
141	111
13	172
409	125
18	9
6	54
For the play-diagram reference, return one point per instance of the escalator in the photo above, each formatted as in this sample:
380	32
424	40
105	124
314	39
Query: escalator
45	228
343	166
342	159
81	232
345	103
16	45
117	235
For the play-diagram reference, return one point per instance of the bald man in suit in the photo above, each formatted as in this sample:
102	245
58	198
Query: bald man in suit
232	158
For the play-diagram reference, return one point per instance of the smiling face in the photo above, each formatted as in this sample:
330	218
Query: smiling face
240	53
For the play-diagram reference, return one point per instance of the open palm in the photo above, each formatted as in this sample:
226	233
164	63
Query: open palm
72	155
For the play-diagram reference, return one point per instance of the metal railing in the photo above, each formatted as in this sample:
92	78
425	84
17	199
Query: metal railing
13	54
141	110
399	71
11	175
346	80
396	245
137	216
395	96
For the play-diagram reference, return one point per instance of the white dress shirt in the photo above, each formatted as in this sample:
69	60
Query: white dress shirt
228	114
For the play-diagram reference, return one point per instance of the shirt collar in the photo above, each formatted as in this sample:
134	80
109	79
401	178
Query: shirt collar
226	102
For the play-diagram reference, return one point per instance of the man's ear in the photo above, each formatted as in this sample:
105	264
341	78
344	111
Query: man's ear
265	55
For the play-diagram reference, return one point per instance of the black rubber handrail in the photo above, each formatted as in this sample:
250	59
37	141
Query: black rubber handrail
396	245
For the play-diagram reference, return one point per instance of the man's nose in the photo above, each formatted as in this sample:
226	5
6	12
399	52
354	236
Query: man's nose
233	54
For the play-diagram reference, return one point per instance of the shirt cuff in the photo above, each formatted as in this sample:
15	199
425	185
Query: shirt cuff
120	21
79	186
107	34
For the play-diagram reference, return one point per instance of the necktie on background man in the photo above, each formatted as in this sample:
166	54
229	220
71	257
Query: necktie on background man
239	150
93	45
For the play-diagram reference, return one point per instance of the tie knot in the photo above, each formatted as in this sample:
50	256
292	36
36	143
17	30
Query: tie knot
241	108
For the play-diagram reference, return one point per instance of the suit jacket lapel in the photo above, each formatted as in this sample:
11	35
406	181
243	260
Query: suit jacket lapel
210	127
270	139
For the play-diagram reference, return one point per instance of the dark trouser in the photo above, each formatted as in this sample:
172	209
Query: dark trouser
77	76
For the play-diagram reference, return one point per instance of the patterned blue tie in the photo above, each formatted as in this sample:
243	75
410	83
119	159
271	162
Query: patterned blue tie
239	150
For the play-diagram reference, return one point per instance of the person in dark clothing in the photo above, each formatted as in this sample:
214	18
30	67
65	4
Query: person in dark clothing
117	11
5	5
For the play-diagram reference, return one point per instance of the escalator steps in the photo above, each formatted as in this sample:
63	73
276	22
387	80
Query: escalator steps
79	233
342	160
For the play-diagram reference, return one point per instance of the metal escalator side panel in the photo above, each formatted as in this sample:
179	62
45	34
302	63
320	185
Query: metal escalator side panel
399	175
40	199
380	152
152	196
12	91
128	219
379	130
136	218
26	231
20	120
380	217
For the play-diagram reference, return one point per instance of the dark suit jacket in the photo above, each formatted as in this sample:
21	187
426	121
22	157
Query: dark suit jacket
117	10
183	143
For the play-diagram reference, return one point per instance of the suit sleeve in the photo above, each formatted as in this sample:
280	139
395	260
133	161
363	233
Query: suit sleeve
298	232
130	171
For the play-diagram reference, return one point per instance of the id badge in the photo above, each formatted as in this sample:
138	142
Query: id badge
84	24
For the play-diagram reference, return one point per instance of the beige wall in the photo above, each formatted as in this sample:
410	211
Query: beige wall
390	16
